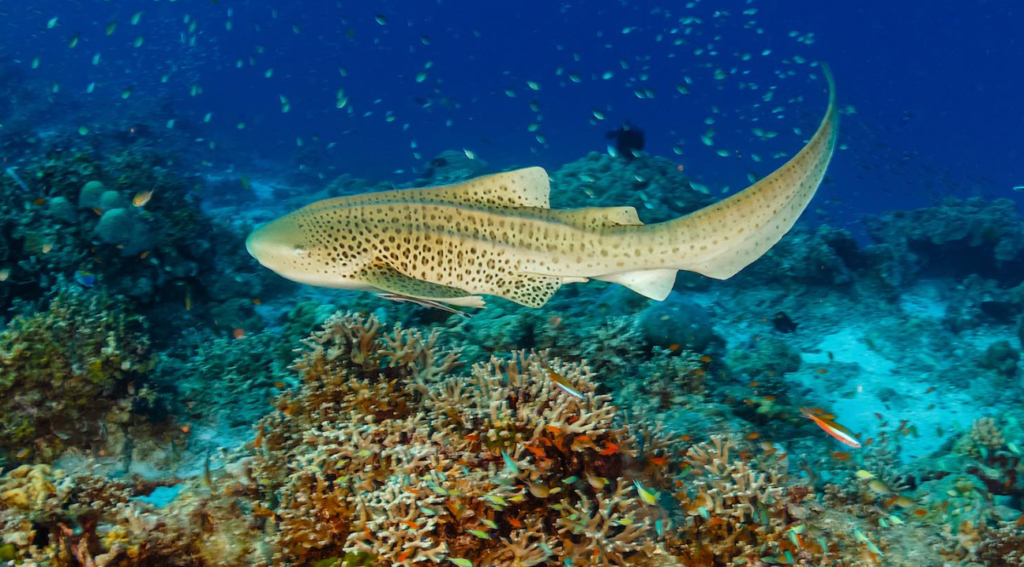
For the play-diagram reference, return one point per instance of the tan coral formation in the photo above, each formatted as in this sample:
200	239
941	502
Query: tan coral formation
389	454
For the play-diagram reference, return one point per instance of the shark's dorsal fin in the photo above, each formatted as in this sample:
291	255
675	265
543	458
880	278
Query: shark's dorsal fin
520	188
597	217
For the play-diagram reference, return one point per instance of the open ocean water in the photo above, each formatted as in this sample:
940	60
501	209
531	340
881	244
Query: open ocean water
697	283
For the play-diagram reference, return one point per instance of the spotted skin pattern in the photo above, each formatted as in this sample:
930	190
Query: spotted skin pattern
495	235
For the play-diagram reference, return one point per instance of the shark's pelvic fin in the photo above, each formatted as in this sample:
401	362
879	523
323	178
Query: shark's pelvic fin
739	230
654	284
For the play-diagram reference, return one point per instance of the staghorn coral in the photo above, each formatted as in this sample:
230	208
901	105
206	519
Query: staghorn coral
738	510
383	453
71	372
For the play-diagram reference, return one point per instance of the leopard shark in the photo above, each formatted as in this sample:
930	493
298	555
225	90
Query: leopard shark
496	235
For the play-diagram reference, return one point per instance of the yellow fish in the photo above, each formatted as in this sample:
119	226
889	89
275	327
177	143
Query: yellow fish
496	235
141	198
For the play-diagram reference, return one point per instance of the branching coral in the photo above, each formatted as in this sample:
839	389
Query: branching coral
385	453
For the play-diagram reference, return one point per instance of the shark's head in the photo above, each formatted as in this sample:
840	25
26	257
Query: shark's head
294	248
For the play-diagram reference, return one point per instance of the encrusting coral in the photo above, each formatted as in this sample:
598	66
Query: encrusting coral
71	372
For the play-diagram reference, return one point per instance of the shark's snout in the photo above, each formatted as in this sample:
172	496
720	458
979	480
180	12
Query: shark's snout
253	244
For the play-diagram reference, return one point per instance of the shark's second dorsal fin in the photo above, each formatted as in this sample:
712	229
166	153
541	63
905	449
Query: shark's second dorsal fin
528	187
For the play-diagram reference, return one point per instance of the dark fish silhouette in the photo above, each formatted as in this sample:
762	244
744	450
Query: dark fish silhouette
783	323
628	140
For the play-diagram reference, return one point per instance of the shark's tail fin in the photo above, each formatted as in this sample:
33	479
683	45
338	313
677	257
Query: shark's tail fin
722	239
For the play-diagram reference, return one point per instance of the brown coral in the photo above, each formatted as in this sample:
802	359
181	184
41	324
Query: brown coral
70	373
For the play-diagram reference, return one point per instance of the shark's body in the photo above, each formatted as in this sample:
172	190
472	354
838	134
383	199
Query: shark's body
495	235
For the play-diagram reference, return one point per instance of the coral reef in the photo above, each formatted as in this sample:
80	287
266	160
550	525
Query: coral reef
161	250
827	257
391	452
71	373
229	381
957	237
677	321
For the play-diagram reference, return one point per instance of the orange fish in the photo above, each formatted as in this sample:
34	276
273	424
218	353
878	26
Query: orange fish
841	456
659	461
837	431
705	359
685	438
930	390
238	333
405	555
753	436
609	449
673	346
515	523
537	451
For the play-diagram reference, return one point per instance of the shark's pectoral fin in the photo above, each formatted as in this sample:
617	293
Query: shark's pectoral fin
388	279
655	284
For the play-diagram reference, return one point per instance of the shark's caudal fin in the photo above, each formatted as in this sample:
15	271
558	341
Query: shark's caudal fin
722	239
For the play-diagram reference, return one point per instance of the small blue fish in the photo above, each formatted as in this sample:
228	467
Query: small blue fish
85	279
510	465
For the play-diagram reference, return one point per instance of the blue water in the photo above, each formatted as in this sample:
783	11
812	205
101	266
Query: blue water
933	84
